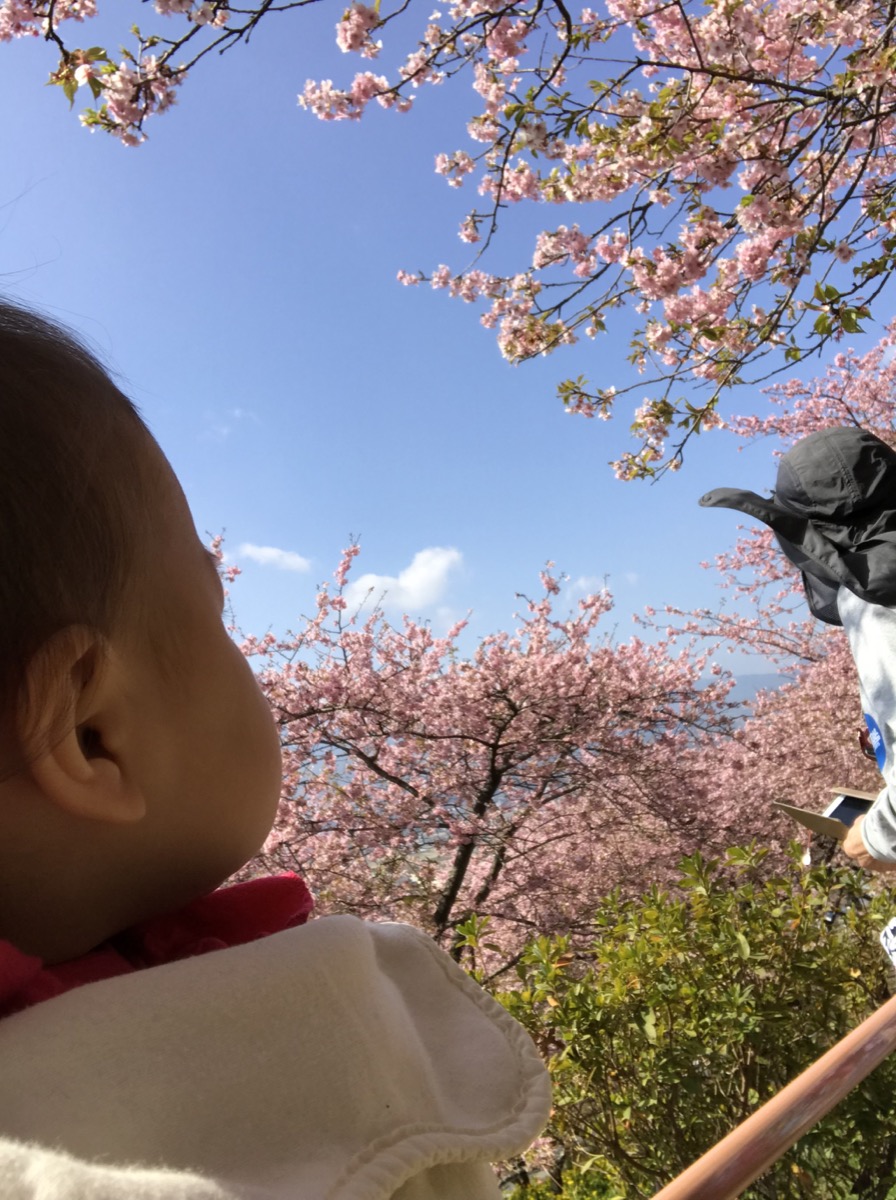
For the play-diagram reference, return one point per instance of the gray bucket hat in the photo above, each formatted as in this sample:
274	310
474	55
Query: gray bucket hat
833	512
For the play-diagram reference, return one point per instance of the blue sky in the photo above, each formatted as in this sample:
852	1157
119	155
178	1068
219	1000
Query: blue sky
238	270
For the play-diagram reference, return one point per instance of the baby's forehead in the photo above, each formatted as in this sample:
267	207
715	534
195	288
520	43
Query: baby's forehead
166	520
157	497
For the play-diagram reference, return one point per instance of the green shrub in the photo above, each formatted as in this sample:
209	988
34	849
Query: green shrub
579	1188
693	1007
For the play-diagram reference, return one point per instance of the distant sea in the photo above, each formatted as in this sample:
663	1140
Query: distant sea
746	686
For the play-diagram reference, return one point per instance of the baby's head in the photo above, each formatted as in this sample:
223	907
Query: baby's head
139	763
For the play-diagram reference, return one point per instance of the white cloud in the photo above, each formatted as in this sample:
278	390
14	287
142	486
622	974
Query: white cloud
219	425
587	585
271	556
418	586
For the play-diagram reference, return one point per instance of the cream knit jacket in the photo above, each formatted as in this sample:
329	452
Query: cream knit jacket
340	1060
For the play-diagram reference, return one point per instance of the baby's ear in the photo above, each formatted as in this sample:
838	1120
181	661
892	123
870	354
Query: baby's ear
73	728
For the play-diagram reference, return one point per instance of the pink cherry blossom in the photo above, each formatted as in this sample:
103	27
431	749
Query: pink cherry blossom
353	31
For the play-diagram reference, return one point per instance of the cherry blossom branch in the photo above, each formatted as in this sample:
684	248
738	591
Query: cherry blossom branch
741	160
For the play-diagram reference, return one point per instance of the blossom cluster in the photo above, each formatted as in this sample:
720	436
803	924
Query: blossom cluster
142	85
330	103
29	18
201	12
353	31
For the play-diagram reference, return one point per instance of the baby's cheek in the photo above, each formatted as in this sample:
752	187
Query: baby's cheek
264	751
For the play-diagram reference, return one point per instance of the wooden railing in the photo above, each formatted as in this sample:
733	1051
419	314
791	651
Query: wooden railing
732	1164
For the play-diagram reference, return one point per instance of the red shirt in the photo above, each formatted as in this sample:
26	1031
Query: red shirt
229	916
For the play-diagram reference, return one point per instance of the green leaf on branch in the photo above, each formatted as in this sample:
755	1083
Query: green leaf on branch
849	319
824	325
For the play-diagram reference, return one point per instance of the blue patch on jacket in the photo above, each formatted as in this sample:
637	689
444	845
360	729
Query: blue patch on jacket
877	740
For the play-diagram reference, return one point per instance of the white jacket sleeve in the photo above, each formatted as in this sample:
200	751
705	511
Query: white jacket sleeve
871	629
341	1060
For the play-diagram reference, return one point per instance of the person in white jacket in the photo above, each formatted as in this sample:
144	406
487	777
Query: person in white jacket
833	512
151	1056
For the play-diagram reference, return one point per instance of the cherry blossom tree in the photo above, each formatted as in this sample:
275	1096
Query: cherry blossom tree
518	785
513	787
732	162
522	783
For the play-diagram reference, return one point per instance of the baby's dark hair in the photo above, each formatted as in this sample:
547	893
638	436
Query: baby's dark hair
71	493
